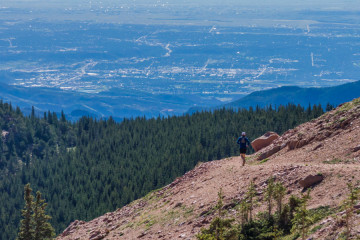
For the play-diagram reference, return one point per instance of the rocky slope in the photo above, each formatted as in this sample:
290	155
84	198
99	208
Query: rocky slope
328	146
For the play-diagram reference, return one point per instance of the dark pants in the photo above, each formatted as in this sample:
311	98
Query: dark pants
243	150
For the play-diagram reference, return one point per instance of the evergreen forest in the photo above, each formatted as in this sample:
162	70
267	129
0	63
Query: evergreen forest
88	167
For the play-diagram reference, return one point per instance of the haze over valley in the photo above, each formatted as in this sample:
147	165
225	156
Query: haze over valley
180	55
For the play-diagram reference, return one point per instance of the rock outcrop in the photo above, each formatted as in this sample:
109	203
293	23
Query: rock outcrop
316	131
264	141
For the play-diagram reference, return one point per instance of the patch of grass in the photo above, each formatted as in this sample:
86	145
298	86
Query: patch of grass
315	229
342	119
333	161
349	105
338	160
346	107
316	215
153	196
171	216
150	223
129	225
356	101
342	236
209	212
292	236
320	213
188	211
251	160
147	220
264	160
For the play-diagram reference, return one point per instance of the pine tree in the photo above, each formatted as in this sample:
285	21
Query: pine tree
220	228
250	198
26	225
220	203
244	212
348	206
302	221
269	195
42	229
279	193
35	225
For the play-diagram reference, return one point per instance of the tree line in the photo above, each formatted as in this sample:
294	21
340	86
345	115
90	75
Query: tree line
92	166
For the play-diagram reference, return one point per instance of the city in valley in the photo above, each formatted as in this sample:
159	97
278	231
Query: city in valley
165	58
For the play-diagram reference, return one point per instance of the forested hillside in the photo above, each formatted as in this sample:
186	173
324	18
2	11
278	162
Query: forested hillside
89	167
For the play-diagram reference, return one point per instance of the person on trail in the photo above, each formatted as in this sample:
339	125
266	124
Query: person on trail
244	144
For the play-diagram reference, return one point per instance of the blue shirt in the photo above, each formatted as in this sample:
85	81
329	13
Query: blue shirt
243	141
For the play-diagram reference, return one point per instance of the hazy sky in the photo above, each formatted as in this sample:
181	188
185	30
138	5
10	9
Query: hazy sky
326	4
196	12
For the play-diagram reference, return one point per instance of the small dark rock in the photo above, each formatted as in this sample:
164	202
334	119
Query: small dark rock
310	180
317	147
142	235
179	204
355	149
204	213
230	205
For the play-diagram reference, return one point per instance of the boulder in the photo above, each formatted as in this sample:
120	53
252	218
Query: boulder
269	153
264	141
311	180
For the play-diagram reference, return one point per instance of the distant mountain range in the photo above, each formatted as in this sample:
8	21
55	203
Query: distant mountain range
116	102
297	95
120	103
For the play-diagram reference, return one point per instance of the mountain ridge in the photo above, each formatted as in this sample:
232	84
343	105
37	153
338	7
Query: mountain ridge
116	102
182	208
296	95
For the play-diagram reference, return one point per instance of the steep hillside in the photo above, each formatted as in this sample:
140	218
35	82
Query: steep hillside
328	145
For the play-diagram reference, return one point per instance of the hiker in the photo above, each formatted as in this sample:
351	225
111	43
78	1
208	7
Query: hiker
244	144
